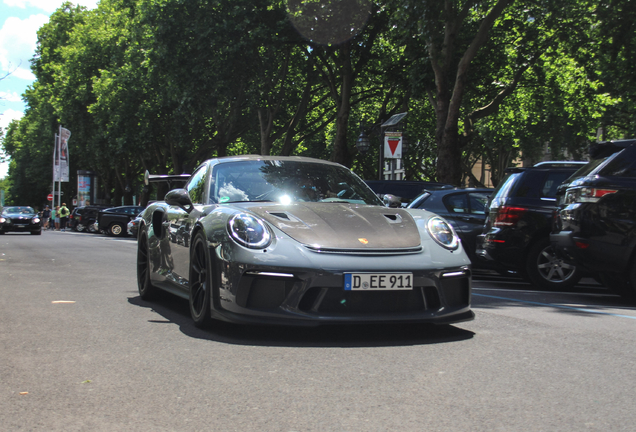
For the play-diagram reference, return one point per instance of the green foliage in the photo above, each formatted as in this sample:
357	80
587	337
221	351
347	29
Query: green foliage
162	85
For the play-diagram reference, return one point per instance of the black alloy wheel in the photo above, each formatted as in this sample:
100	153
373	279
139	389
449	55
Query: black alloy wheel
147	290
116	229
200	282
547	270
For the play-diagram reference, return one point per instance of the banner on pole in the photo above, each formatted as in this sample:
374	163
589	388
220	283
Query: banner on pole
61	167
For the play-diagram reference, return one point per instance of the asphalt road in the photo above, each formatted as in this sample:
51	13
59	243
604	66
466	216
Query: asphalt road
79	351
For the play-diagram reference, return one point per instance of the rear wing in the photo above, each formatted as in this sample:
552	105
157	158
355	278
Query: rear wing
171	179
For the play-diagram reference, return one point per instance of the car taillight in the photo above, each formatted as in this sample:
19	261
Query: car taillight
586	194
508	216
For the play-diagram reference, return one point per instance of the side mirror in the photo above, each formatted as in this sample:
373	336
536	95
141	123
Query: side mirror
392	201
179	198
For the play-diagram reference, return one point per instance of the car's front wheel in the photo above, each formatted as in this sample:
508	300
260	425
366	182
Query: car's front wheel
146	289
80	228
200	282
116	229
546	270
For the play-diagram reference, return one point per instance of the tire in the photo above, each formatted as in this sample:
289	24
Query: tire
200	282
116	229
546	270
1	232
147	291
80	228
36	232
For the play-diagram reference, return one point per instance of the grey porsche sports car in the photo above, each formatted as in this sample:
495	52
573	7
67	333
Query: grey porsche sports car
299	241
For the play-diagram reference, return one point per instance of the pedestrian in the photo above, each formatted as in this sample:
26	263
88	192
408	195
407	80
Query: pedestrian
56	218
46	215
63	215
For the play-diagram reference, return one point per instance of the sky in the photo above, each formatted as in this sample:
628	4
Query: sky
19	23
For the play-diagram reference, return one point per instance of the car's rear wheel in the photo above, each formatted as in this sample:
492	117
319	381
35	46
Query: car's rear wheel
546	270
116	229
146	289
200	282
80	228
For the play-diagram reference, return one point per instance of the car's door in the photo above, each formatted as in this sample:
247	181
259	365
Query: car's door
180	222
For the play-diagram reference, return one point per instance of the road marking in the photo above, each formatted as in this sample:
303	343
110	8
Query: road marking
557	306
63	302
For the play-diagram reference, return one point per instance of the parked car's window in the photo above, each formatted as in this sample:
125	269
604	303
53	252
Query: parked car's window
552	182
503	189
287	181
478	202
419	201
457	203
196	185
621	165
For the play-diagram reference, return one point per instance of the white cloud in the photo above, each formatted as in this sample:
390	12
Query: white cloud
18	39
10	96
8	115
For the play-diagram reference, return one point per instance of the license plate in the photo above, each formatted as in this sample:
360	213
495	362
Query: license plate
378	281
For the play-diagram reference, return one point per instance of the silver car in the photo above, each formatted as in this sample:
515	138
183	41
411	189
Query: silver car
299	241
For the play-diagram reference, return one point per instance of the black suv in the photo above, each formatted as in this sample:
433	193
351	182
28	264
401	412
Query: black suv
516	234
595	226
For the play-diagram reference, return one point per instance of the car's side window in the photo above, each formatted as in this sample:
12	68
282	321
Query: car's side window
196	185
478	202
552	182
456	203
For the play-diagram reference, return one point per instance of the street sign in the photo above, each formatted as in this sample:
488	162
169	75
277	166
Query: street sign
49	197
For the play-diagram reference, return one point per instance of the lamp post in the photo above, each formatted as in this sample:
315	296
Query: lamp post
363	143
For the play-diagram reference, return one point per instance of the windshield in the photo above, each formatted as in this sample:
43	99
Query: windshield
286	182
20	210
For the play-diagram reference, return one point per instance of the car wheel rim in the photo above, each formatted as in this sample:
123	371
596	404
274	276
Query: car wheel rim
198	280
552	268
116	230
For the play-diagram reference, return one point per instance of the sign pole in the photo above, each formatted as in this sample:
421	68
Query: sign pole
53	184
59	164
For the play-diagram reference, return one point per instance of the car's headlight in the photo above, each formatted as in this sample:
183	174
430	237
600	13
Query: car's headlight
2	220
35	220
249	231
442	233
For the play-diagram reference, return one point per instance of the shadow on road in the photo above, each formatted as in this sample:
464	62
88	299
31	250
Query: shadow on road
175	310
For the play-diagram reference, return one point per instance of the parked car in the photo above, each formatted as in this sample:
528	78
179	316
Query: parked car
516	234
299	241
20	219
88	217
464	208
114	221
595	227
73	220
133	226
404	191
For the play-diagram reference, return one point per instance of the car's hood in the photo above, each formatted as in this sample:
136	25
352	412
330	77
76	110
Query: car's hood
343	225
19	215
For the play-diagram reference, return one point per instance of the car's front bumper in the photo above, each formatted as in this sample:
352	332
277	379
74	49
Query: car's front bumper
12	227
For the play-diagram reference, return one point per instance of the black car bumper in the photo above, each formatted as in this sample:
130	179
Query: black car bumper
592	254
11	227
